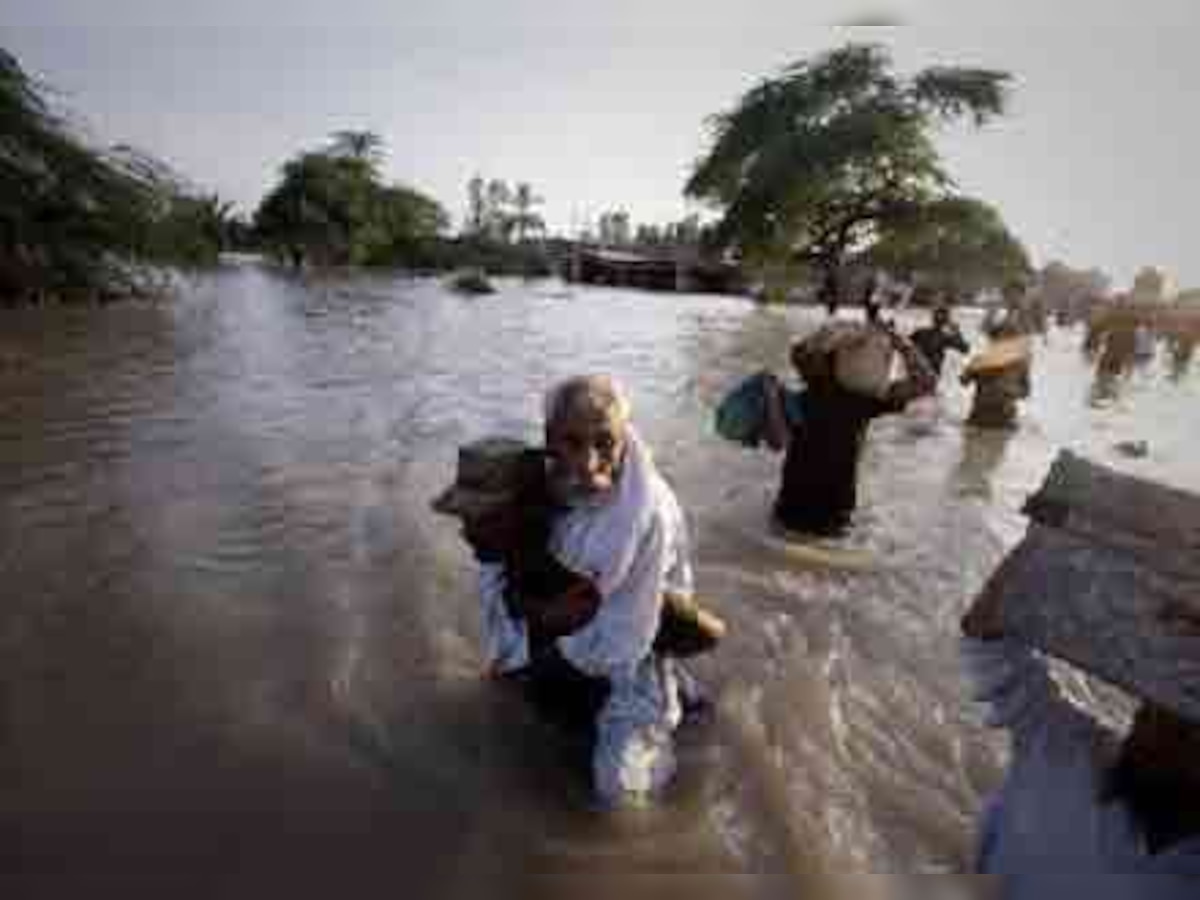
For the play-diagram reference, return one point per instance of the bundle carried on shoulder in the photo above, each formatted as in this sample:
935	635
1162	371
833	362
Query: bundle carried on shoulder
1000	356
860	355
1108	578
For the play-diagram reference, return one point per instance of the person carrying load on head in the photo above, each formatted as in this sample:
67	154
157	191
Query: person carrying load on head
1001	376
846	372
591	613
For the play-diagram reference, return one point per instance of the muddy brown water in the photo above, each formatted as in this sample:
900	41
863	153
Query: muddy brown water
239	657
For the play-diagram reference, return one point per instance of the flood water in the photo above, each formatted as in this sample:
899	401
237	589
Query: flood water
239	656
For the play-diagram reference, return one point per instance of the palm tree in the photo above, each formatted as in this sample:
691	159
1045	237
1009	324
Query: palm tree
499	220
365	146
525	220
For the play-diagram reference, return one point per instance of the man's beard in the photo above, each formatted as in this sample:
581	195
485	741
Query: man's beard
575	492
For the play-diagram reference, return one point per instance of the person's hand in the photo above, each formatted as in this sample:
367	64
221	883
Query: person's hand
569	611
899	341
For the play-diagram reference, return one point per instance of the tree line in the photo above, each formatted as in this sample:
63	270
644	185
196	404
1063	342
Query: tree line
331	207
827	168
80	223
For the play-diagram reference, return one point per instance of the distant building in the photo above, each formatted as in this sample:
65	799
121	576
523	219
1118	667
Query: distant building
665	269
1151	285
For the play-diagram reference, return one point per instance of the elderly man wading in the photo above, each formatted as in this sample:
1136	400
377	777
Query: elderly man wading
619	534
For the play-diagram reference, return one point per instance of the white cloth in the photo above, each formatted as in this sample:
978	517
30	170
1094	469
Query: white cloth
505	639
1051	816
633	546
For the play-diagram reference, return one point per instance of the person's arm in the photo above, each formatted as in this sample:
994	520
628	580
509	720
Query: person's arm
778	432
567	611
956	341
505	642
920	378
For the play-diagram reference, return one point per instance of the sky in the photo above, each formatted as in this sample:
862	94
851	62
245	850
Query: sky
605	106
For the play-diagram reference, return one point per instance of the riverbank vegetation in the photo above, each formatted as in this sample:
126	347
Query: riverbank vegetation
331	207
82	223
503	233
818	176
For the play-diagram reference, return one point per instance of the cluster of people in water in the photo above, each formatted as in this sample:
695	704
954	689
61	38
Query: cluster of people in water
589	609
1120	340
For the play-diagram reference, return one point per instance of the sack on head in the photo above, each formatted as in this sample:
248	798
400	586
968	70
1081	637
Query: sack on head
857	356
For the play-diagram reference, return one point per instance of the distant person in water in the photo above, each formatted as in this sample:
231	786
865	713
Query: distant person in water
872	301
1118	344
819	489
1000	386
941	336
1080	805
1183	348
1145	344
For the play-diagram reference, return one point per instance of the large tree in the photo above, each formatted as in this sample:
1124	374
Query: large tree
811	166
330	207
957	245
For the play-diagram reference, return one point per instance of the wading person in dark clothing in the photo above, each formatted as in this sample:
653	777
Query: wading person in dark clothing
819	489
941	336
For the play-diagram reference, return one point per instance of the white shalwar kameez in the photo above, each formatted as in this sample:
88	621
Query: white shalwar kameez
632	544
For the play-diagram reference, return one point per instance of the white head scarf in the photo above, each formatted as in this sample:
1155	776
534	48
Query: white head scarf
623	541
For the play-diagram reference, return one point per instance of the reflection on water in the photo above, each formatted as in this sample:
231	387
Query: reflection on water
1106	389
983	452
238	655
1183	349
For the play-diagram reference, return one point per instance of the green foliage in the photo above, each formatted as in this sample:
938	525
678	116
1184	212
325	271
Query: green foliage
814	165
79	223
331	208
957	245
366	146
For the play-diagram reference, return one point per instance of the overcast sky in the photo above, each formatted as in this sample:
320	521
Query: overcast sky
603	105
